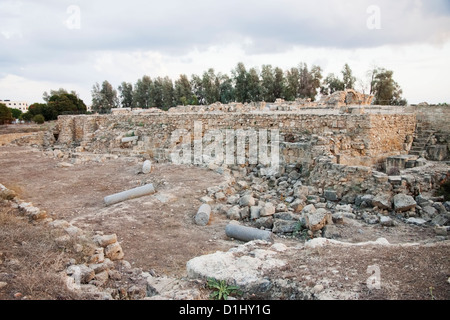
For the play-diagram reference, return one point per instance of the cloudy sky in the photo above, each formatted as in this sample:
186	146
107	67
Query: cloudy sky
50	44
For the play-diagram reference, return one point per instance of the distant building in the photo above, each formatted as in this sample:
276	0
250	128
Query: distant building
21	105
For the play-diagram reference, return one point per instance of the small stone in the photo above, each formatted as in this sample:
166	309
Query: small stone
318	288
267	210
147	167
114	252
106	240
234	213
386	221
330	195
247	201
3	284
207	200
255	212
440	231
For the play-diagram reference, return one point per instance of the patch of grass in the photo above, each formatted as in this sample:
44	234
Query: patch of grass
31	261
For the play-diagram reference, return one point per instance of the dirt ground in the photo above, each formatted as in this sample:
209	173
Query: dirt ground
158	232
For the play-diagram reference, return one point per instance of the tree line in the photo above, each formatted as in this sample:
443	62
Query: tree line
243	85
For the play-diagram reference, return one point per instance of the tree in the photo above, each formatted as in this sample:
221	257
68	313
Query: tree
385	90
5	114
279	84
126	94
254	85
16	113
198	90
348	79
39	119
226	89
268	83
331	84
309	81
240	82
142	93
211	86
167	91
63	103
183	91
104	98
293	84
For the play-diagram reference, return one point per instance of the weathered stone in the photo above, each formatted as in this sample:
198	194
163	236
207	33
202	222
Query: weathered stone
382	201
440	231
429	211
316	220
207	200
285	226
203	215
264	222
416	221
234	213
105	240
267	210
330	195
403	202
331	232
247	201
386	221
147	167
114	252
81	273
255	212
441	219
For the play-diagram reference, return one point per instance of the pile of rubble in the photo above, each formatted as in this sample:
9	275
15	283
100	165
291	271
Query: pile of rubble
288	204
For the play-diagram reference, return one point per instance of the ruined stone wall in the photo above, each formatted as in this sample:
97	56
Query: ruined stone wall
433	131
355	139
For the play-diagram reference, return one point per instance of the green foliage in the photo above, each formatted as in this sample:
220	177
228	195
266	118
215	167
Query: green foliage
221	289
16	113
5	114
104	98
39	119
385	90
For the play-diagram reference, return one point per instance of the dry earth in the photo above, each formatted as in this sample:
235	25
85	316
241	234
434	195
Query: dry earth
158	233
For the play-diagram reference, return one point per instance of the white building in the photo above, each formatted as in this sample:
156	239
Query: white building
21	105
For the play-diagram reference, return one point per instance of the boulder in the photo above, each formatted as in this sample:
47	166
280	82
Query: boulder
382	201
403	202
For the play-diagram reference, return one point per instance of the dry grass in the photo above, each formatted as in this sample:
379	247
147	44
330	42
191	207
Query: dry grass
30	261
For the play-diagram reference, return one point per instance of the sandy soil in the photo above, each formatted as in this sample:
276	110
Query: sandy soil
158	232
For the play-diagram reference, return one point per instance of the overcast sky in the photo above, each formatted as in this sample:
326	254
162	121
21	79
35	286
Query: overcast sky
73	44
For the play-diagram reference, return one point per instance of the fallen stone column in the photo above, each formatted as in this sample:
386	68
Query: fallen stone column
130	194
247	233
203	215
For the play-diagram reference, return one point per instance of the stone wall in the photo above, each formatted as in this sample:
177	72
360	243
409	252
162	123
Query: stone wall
355	139
433	131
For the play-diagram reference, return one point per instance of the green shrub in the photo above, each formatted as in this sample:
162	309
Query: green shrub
39	119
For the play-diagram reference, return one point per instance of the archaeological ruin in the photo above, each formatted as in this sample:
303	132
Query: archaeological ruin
324	181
